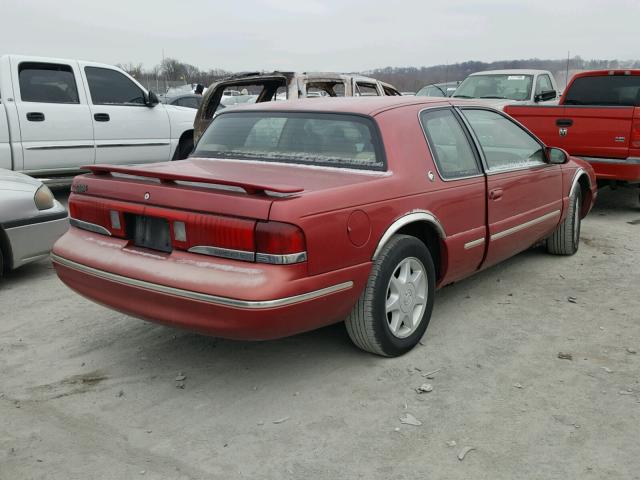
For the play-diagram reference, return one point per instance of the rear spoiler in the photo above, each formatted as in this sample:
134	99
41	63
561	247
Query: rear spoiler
170	177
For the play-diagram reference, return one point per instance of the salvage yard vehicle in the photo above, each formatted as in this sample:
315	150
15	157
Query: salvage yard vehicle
438	89
498	88
597	119
189	100
31	220
290	216
275	86
57	115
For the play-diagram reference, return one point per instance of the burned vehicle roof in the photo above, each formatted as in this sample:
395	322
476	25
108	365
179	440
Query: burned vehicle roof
258	87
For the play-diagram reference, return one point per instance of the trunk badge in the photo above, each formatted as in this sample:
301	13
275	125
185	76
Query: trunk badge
563	132
147	196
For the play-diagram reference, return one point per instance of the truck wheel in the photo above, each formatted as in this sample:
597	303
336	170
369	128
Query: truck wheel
185	147
395	307
566	239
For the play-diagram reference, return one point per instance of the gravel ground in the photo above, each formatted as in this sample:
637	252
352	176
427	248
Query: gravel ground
87	393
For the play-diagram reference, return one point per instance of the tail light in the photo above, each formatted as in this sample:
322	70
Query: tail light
279	243
635	136
215	235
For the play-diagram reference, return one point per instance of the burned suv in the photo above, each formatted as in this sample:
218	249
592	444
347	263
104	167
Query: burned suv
257	87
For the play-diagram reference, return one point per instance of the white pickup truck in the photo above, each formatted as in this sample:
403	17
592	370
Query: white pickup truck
499	88
57	115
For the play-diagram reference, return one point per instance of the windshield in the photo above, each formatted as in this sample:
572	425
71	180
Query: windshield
431	91
512	87
325	139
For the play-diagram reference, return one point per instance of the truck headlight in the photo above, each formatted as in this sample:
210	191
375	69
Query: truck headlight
43	198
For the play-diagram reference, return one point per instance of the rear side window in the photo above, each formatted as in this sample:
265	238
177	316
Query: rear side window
47	83
622	90
110	87
366	90
325	139
449	144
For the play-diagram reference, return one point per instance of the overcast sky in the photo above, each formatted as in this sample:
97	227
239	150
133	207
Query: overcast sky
341	35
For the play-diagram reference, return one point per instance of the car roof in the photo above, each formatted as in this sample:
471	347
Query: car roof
516	71
369	106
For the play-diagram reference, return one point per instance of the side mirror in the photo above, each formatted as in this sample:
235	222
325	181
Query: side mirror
557	156
151	99
544	96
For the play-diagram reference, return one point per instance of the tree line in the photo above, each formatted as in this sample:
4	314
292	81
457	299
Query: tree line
172	72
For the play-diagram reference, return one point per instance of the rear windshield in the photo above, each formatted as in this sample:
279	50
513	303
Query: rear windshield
623	90
324	139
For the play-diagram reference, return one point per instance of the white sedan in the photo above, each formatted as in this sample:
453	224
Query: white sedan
31	220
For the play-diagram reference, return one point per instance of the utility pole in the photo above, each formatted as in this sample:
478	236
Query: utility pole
165	73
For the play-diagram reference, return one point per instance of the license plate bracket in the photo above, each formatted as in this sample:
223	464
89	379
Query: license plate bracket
151	232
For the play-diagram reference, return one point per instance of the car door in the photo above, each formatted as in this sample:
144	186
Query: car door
461	204
126	130
54	117
599	115
524	191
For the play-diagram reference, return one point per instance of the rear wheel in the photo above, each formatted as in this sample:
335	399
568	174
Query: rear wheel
1	264
395	307
566	239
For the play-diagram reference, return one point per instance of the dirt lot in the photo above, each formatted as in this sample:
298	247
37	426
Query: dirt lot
89	393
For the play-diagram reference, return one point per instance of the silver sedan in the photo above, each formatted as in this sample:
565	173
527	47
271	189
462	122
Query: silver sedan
31	220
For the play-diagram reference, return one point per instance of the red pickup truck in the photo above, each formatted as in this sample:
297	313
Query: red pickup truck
597	119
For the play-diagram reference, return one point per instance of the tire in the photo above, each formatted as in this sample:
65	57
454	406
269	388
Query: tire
185	147
566	239
1	264
370	325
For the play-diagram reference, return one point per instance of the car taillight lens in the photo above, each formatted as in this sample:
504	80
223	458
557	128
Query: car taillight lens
635	136
215	235
279	238
279	243
98	217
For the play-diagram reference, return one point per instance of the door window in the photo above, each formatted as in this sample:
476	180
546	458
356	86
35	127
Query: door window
544	84
366	90
110	87
506	146
47	83
449	144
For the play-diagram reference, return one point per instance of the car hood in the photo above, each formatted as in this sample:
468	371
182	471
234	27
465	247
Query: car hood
15	181
180	116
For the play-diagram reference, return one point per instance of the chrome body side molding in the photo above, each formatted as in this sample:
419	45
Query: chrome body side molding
522	226
474	243
202	297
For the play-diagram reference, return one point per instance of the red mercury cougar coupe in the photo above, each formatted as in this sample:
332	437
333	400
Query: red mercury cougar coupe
289	216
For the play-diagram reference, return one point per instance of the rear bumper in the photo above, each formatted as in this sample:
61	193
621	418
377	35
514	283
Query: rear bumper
627	170
220	304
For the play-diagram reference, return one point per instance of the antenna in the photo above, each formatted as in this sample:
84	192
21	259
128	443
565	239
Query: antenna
566	78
